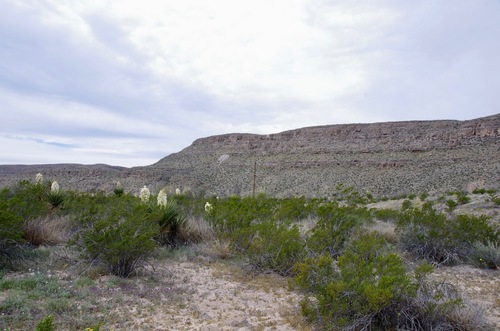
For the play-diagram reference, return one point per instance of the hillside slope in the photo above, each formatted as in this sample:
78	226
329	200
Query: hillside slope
386	159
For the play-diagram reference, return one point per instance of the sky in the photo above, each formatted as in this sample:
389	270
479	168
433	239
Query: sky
128	82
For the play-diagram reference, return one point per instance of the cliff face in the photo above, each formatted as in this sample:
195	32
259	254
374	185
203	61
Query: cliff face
388	159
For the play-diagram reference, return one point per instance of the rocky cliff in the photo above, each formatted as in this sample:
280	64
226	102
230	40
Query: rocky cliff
386	159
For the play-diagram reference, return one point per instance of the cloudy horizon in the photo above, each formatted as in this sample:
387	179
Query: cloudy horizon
128	82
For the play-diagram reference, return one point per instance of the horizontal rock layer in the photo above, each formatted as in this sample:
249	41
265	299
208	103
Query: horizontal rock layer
386	159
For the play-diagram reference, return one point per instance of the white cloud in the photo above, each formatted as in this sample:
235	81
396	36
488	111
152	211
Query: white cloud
131	81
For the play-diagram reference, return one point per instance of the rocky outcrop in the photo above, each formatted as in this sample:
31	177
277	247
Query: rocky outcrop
386	159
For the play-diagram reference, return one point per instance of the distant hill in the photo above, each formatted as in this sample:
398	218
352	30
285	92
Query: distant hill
386	159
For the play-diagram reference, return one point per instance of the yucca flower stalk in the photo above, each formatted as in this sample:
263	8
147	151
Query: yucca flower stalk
38	179
55	197
178	191
208	207
54	188
144	194
162	199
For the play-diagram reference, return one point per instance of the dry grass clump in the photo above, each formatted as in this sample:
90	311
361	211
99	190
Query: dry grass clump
51	230
197	230
386	230
219	248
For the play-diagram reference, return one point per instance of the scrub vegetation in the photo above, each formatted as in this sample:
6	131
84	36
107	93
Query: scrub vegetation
355	267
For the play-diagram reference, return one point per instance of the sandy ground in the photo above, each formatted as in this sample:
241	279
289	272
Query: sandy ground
218	296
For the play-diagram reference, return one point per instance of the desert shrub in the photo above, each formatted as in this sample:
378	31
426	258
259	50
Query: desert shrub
479	191
120	238
276	247
294	209
46	324
232	218
405	205
469	229
437	306
485	255
350	196
430	235
334	228
11	233
385	214
463	199
451	205
29	201
424	196
353	292
368	288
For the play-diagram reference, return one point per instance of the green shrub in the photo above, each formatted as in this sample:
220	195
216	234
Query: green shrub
368	288
11	233
463	199
334	228
433	236
405	205
46	324
349	195
479	191
385	214
276	247
451	205
121	237
351	294
29	201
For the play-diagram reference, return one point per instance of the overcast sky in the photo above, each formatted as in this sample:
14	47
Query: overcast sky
128	82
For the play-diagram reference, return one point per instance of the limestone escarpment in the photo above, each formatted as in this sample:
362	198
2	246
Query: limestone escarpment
388	159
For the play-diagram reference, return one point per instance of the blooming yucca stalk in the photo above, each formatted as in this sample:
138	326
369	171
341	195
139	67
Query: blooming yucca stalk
208	207
162	199
54	188
177	191
55	197
144	194
38	178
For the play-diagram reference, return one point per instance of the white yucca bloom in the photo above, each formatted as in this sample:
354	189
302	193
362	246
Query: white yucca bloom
178	191
208	207
54	188
162	198
38	178
119	185
144	195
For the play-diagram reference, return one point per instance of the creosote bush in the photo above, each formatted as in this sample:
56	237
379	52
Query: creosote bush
440	239
121	236
11	233
46	324
368	288
334	228
354	291
276	247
